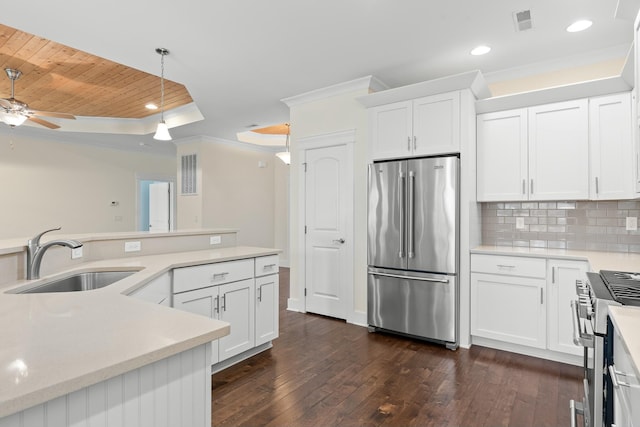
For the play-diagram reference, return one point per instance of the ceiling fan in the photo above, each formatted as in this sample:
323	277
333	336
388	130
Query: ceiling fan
14	112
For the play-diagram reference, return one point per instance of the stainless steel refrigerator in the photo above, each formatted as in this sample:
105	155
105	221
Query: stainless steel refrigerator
413	256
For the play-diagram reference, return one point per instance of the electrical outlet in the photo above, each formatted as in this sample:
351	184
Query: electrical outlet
632	223
215	240
132	246
519	223
76	253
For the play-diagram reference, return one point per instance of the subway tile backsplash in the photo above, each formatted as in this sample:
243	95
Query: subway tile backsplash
589	225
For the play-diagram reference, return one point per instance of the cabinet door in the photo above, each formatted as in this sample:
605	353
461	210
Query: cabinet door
611	147
561	279
436	124
238	308
204	302
502	156
391	130
267	308
559	151
509	309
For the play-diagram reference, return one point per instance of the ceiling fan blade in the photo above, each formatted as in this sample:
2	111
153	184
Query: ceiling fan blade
5	103
42	122
281	129
53	114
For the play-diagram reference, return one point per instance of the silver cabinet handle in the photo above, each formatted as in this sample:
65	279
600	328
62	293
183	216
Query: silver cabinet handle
340	240
505	266
408	143
597	186
531	185
420	279
216	276
216	306
541	296
576	409
410	214
268	266
524	186
260	293
553	275
616	382
415	145
580	339
401	196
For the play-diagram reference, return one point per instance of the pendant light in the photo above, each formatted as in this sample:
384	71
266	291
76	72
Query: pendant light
162	131
285	156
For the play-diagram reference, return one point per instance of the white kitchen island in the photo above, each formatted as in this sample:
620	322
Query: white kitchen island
102	357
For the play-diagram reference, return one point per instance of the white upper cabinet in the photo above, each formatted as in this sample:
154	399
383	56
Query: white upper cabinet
423	126
572	150
559	151
611	147
502	156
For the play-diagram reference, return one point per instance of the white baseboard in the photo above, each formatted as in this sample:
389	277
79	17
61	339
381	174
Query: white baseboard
293	304
569	359
358	318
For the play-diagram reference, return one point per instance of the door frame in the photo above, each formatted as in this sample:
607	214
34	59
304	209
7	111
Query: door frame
348	139
172	196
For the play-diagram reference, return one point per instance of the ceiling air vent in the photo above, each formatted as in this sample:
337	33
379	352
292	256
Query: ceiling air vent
522	20
188	174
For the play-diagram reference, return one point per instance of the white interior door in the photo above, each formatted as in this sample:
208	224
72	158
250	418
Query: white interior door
159	206
329	221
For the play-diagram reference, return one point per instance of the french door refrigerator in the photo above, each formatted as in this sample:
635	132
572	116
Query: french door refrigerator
413	227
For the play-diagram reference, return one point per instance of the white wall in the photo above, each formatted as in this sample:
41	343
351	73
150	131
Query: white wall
233	191
47	183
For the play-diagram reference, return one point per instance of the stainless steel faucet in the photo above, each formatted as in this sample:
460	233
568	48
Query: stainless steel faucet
35	251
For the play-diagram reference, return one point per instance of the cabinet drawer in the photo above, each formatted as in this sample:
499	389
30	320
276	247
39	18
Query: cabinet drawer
509	265
267	265
188	278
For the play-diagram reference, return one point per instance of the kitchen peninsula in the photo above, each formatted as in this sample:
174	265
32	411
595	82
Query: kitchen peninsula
111	354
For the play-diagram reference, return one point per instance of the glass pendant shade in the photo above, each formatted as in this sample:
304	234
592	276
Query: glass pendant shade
162	132
12	119
285	156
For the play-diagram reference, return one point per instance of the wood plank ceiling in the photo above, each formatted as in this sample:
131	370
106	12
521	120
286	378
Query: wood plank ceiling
62	79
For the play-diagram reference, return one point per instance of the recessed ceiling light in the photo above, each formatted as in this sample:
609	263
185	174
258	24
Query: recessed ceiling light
151	106
579	26
480	50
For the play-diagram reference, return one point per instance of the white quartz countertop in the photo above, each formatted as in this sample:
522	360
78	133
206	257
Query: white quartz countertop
597	260
52	344
626	320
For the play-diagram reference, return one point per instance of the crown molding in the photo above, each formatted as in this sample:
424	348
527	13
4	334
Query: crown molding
368	83
227	142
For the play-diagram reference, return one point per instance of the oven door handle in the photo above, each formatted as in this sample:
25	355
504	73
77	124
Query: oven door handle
579	338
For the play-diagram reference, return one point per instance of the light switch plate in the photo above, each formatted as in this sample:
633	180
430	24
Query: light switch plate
76	253
632	223
132	246
215	240
519	223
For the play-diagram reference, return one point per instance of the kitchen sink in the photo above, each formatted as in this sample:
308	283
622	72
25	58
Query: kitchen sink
84	281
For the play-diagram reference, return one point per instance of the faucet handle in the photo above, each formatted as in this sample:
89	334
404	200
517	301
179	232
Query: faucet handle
36	240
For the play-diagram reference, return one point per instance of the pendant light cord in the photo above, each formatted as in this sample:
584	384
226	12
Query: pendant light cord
162	54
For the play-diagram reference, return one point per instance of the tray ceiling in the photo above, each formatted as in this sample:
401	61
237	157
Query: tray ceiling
59	78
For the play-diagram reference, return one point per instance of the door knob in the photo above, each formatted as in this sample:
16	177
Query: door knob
340	240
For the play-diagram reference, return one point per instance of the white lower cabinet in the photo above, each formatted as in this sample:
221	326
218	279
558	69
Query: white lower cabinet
626	386
524	301
250	305
508	306
561	285
267	297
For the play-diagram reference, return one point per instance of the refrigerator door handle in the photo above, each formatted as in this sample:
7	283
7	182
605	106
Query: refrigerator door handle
401	197
421	279
411	254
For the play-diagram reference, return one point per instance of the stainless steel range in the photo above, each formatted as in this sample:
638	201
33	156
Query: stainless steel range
593	331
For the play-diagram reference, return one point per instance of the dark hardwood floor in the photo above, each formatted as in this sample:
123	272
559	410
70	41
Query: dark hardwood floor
325	372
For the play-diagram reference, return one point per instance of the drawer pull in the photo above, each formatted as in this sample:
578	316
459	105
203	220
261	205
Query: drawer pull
268	266
506	266
219	276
